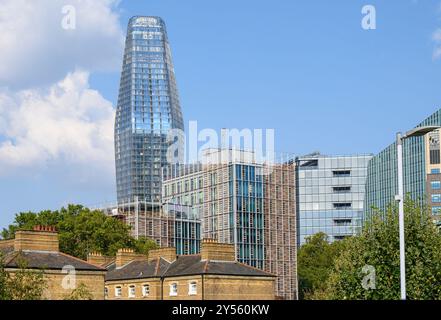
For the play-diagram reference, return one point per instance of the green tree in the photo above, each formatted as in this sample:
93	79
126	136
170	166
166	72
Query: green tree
82	292
315	262
144	245
4	293
378	246
81	231
24	284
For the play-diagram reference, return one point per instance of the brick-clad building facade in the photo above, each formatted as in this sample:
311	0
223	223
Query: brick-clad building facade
212	275
246	203
39	250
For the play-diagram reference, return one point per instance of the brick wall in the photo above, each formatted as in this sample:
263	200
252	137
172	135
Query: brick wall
94	281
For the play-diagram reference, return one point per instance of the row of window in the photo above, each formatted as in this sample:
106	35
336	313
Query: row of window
131	293
183	186
173	290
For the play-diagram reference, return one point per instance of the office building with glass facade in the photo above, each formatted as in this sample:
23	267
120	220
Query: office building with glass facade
148	108
244	203
330	195
421	172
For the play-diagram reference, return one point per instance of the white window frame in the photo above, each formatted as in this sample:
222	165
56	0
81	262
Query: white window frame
145	290
132	294
173	289
118	291
192	288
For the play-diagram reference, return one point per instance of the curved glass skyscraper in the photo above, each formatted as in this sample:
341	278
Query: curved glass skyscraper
148	107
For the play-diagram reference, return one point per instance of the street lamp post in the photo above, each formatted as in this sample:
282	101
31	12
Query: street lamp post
400	198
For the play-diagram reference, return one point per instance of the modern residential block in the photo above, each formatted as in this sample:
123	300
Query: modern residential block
245	203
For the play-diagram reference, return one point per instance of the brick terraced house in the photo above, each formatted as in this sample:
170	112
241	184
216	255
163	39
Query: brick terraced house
214	274
39	250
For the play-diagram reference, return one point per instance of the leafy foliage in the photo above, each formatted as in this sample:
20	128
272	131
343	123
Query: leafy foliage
315	262
82	231
378	246
4	294
80	293
144	245
24	284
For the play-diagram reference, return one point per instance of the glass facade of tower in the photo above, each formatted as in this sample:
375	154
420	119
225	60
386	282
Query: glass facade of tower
148	108
187	229
420	162
246	182
330	195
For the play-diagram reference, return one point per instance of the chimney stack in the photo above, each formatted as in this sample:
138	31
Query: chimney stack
42	238
168	254
212	250
125	256
97	259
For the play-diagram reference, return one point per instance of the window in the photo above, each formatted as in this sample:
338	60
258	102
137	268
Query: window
213	178
118	291
436	198
341	189
435	171
342	205
192	288
434	156
106	292
132	291
145	290
343	222
173	289
341	173
436	211
436	185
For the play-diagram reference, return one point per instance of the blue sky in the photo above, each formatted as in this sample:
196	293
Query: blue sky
305	68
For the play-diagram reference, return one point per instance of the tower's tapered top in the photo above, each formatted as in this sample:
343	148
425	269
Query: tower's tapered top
146	21
148	108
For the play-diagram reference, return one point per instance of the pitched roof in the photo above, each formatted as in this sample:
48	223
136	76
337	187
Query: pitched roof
47	260
193	265
5	250
139	270
182	266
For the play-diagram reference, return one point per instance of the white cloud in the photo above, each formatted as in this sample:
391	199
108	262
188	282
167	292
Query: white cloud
36	49
436	37
68	124
50	119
